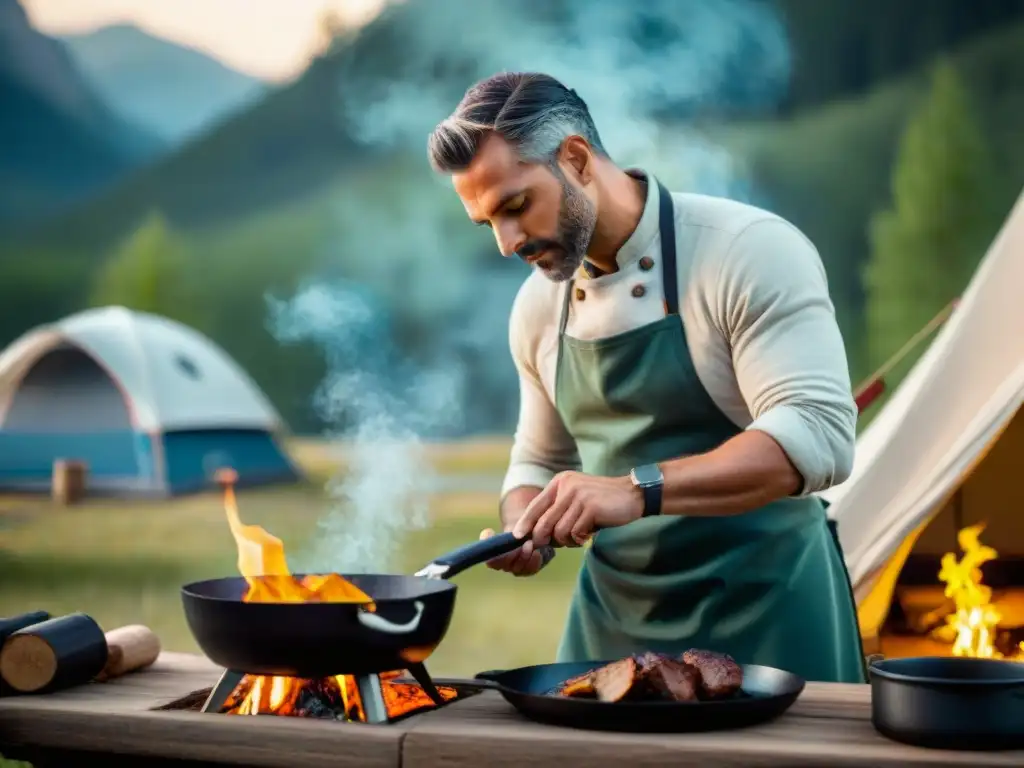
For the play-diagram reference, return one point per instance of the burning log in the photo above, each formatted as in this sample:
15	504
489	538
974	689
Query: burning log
54	654
330	698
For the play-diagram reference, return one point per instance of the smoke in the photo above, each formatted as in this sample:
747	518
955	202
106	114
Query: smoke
631	62
382	406
412	266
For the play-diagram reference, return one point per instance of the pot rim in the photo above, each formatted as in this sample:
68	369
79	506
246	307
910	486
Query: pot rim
878	670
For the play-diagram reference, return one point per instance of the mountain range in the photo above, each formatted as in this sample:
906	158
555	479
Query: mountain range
59	141
171	90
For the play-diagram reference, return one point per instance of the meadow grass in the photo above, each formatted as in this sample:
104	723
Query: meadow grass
124	562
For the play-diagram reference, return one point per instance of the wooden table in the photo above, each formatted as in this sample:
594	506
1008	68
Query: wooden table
828	726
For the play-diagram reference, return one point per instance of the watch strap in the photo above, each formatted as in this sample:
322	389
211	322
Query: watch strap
652	499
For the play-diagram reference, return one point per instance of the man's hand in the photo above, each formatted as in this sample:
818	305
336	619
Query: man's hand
525	561
574	505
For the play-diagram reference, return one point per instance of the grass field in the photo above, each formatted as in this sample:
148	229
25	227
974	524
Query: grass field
124	562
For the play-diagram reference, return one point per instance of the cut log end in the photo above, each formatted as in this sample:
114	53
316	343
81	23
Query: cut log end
28	663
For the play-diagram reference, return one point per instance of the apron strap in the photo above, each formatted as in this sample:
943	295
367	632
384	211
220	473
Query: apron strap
566	301
667	230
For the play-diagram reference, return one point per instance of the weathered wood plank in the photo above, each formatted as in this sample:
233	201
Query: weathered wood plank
485	730
116	717
267	742
172	676
834	700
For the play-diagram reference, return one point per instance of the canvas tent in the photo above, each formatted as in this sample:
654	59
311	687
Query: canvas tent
151	406
947	450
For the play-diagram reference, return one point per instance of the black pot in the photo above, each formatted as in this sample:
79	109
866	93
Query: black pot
949	703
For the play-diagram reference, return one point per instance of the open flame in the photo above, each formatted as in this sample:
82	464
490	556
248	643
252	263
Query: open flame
261	560
975	619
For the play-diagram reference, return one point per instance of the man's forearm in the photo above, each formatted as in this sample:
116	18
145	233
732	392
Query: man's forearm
741	475
515	503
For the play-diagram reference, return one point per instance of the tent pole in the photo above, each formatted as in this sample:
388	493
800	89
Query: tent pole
873	388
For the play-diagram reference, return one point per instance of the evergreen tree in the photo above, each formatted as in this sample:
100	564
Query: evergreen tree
926	245
149	273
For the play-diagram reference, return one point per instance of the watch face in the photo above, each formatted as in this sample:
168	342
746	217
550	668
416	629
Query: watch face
649	474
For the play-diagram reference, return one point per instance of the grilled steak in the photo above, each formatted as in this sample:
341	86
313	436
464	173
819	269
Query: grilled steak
674	680
614	681
581	687
720	675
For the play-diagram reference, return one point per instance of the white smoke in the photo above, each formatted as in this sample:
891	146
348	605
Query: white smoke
697	53
382	406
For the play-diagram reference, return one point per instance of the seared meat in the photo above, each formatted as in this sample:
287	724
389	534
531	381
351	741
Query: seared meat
674	680
614	681
581	686
720	675
652	676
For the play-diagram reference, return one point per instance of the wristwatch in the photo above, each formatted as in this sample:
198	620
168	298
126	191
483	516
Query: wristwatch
650	481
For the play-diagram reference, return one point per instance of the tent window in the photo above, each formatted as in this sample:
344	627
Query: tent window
187	366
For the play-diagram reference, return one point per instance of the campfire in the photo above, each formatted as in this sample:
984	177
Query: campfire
262	561
973	625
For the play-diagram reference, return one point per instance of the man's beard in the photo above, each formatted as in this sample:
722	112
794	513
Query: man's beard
576	222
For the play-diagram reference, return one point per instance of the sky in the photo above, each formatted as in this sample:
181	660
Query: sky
269	39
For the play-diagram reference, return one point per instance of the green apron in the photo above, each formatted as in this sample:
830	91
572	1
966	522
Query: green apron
767	587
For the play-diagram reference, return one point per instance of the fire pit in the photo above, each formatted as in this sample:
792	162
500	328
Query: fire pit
374	698
318	645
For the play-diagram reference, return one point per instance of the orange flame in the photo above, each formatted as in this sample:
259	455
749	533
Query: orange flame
261	560
975	619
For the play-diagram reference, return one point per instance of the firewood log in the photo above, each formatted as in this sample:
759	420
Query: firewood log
129	649
54	654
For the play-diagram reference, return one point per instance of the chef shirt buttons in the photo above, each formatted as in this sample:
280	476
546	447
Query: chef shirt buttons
638	291
646	263
580	294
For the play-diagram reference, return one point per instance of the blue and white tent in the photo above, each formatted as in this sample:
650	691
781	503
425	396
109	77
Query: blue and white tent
148	404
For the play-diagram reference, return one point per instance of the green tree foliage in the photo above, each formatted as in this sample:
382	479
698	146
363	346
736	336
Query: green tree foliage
149	272
926	245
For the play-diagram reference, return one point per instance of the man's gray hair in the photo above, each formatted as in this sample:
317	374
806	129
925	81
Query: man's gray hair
533	112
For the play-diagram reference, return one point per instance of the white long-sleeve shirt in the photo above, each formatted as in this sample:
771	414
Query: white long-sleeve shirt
760	326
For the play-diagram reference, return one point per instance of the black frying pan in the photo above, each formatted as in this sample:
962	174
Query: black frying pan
766	693
315	640
949	703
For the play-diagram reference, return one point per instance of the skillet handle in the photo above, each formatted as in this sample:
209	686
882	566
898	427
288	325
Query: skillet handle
490	674
473	554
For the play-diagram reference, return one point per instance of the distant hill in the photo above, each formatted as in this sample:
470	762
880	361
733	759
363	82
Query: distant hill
58	140
171	90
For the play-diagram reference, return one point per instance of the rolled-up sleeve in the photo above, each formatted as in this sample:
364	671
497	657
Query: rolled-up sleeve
787	350
542	446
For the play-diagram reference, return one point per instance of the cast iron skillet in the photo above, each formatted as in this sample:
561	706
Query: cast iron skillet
766	693
315	640
949	703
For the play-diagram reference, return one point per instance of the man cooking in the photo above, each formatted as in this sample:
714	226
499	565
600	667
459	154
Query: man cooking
684	393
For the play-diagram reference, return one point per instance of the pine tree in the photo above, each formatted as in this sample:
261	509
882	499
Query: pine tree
149	273
927	244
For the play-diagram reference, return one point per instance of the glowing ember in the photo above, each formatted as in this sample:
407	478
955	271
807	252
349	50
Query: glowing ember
335	698
975	619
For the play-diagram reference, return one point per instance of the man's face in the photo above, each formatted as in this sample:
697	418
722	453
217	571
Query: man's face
535	212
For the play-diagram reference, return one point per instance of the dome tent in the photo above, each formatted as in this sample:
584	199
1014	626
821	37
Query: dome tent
150	405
